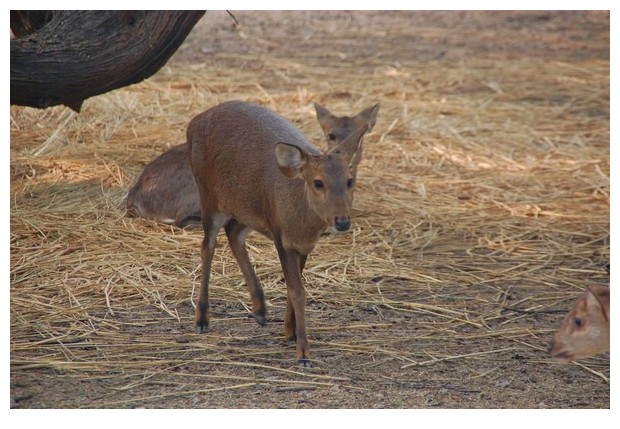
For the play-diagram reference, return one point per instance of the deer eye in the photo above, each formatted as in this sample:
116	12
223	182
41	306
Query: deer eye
350	183
331	137
578	322
318	184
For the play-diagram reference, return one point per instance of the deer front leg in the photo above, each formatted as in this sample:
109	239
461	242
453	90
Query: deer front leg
295	320
289	320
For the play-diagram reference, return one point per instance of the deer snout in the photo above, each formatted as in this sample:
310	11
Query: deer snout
557	353
342	223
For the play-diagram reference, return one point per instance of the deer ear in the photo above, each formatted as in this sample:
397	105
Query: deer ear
369	116
324	117
291	159
596	296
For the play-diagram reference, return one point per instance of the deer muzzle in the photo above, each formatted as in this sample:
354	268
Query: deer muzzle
342	223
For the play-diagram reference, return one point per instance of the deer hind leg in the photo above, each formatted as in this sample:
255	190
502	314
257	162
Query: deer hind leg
236	233
188	220
211	225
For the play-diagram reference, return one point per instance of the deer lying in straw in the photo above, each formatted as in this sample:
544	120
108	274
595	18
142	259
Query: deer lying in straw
585	329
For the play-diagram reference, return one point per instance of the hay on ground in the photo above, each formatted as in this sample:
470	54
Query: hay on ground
482	211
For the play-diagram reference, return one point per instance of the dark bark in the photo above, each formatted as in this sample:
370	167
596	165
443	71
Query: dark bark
25	22
65	57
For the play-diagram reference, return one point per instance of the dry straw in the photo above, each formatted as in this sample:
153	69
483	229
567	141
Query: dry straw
482	211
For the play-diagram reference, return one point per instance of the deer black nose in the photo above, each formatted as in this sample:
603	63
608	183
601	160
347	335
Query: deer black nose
343	223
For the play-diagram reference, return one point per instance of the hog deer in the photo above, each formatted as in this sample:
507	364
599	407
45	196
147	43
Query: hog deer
337	128
166	190
585	329
256	171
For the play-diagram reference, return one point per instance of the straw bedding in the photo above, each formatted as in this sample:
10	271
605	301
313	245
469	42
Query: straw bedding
481	212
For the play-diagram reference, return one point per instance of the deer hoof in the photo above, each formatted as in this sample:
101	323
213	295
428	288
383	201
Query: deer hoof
260	319
202	327
305	363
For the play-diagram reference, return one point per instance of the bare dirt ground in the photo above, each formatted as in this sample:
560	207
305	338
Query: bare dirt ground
481	214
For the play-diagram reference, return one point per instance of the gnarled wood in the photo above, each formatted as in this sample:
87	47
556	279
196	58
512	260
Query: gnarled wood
65	57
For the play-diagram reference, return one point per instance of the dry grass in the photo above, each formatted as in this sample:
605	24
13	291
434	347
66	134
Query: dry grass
482	211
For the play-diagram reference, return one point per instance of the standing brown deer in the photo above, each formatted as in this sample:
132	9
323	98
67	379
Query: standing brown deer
585	329
166	190
256	171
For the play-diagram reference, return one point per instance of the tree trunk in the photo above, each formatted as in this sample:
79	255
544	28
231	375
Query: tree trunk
65	57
